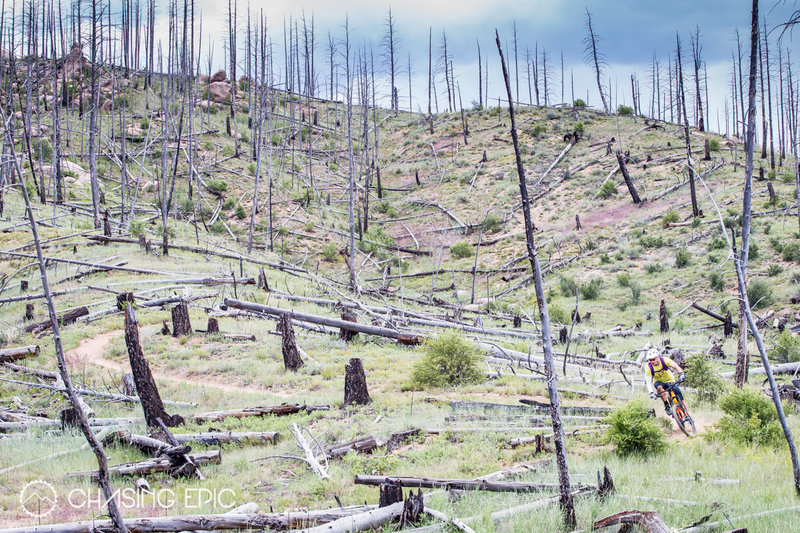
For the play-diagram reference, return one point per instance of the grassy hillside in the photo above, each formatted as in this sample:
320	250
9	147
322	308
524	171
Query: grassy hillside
441	197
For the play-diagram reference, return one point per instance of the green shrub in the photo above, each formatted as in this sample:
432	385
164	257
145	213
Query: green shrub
652	268
217	228
636	292
240	214
578	128
717	281
624	279
608	189
228	204
717	243
759	293
773	270
786	349
632	430
752	251
713	145
579	103
330	252
625	110
670	217
450	359
461	250
750	418
702	377
217	185
386	208
591	290
558	314
789	251
251	168
137	228
492	223
538	130
682	258
568	286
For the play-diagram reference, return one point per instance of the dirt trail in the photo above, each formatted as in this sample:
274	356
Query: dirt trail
92	351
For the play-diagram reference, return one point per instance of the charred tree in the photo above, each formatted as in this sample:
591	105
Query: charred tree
663	317
693	192
347	334
628	179
152	405
355	384
594	58
291	355
180	320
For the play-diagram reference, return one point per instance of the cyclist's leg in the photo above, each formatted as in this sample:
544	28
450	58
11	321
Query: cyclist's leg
679	393
663	394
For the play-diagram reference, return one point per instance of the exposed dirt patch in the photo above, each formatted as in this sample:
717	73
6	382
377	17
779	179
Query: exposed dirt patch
93	350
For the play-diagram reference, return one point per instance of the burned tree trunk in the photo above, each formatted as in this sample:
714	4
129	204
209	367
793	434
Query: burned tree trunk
355	384
727	325
707	150
180	320
577	222
28	313
152	405
213	326
262	280
124	300
390	493
346	334
663	317
627	177
106	224
291	355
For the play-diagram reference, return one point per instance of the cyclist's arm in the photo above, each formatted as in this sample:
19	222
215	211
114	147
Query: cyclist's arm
676	367
648	380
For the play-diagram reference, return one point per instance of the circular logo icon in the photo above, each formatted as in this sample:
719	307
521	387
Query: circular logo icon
38	498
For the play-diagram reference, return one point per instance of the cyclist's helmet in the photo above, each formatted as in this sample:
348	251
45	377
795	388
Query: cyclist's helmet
652	354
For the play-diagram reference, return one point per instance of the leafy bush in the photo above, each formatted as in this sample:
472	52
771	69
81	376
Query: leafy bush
717	243
636	292
578	128
228	204
759	293
608	189
330	252
750	418
557	314
568	286
579	103
752	251
591	290
670	217
217	228
492	223
217	185
682	258
773	270
137	228
624	279
786	349
450	359
461	250
717	281
713	145
539	130
700	375
240	214
789	251
632	430
625	110
652	268
386	208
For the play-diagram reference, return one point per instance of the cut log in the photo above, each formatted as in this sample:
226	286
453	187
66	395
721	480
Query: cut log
363	445
348	334
180	320
64	320
401	336
458	484
649	521
355	384
278	410
291	356
213	326
396	440
19	352
389	493
217	522
152	405
153	466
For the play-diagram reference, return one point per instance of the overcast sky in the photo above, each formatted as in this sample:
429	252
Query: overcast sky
630	31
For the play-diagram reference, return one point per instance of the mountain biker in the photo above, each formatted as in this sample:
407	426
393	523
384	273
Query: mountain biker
658	375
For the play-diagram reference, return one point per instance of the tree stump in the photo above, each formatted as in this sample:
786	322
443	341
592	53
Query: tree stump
148	394
213	326
663	317
727	325
707	150
576	316
355	384
128	385
577	222
23	285
412	509
346	334
69	418
106	226
562	335
291	355
605	486
771	191
28	313
517	321
760	174
180	320
390	493
262	280
142	241
165	328
416	177
124	300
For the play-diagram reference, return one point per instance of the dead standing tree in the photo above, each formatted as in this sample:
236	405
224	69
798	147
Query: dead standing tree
77	405
291	354
682	109
594	58
146	388
567	505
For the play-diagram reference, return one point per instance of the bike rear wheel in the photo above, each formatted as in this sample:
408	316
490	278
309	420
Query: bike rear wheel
685	422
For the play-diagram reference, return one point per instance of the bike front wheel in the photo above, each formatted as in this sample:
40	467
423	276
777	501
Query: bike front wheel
685	422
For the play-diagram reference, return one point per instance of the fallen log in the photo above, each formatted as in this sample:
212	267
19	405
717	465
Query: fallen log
400	336
457	484
785	368
712	314
504	514
152	466
52	423
364	521
362	445
19	352
649	521
64	320
277	410
218	522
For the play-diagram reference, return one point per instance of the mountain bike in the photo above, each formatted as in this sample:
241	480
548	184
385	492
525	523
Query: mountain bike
679	412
